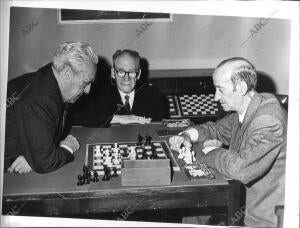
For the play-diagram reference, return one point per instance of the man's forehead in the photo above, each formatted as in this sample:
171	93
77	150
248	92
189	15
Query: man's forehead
126	60
225	72
222	74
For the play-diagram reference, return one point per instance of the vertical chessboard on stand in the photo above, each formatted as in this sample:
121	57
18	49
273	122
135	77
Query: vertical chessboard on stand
193	105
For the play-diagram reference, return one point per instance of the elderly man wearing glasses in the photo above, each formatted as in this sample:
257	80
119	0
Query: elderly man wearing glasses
125	100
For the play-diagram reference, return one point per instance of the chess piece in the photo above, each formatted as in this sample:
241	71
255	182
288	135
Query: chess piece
115	174
140	140
95	176
116	161
106	153
132	153
193	157
148	140
115	149
125	154
154	153
79	183
188	156
106	176
181	153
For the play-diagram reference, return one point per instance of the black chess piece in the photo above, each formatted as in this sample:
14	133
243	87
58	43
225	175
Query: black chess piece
144	154
154	152
115	174
140	140
148	140
79	183
125	154
107	175
95	176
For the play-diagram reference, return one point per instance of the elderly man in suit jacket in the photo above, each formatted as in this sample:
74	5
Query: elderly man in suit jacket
35	117
124	100
255	130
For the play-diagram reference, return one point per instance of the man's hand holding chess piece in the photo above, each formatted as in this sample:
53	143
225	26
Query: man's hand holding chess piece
128	119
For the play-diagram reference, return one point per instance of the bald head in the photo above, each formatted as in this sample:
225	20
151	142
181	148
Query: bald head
238	69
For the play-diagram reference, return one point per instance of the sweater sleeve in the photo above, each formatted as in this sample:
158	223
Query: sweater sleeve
260	149
38	123
220	130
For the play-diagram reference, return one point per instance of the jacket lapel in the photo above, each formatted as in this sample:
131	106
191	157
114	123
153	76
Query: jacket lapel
249	115
251	110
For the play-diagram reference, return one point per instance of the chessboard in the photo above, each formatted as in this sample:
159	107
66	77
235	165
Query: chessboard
101	155
197	105
192	105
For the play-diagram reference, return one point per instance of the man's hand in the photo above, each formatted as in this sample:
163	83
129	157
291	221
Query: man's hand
71	142
20	165
128	119
178	140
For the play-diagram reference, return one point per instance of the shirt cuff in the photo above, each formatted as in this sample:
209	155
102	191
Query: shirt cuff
192	132
67	148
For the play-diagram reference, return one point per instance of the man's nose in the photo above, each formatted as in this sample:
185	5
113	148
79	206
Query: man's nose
87	89
217	96
126	77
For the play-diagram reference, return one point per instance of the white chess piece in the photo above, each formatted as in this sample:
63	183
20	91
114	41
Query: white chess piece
98	153
106	153
193	157
132	153
115	148
180	156
188	156
107	161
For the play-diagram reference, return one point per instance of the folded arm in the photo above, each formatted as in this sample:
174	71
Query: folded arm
37	121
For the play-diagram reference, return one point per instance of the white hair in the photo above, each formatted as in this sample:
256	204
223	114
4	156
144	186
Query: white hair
73	54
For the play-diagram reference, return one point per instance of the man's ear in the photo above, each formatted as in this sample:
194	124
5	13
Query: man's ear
243	87
112	73
67	73
138	77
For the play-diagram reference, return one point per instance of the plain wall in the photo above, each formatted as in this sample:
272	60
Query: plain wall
187	42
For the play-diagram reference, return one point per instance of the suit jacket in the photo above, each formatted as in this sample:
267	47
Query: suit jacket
148	102
34	121
256	155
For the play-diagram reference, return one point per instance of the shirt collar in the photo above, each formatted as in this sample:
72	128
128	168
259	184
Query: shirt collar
131	96
241	116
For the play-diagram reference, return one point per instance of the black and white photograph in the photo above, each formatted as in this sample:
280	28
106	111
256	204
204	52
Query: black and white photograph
154	114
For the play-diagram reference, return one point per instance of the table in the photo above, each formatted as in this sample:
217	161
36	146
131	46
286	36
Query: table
56	193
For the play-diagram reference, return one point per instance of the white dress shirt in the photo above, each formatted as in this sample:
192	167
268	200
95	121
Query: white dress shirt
131	97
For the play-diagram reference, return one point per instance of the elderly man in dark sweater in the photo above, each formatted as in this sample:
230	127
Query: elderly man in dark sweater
35	116
255	129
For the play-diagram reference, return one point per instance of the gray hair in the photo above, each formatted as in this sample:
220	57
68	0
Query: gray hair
73	54
133	54
244	72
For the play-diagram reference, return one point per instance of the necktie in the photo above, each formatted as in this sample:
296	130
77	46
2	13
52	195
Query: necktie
127	105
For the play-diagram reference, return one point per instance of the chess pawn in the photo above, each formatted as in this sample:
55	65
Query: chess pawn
132	153
180	156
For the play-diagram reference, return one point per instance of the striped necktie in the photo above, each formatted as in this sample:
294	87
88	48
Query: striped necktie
127	105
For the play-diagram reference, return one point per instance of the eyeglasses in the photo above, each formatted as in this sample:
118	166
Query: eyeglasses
131	74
